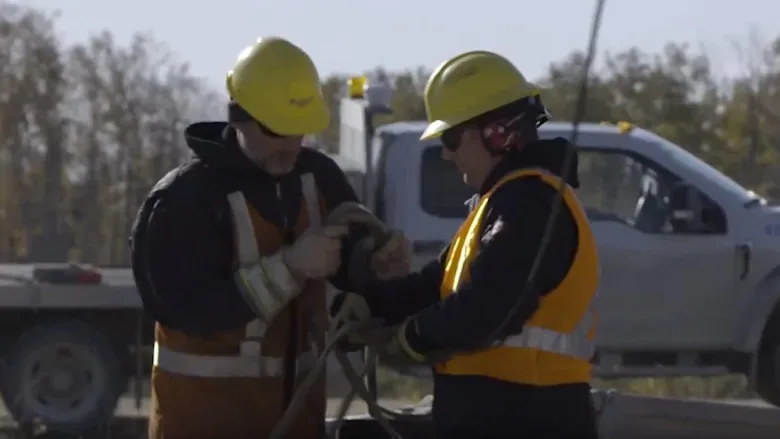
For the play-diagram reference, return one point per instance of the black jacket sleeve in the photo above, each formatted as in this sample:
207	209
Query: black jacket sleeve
510	237
182	263
397	299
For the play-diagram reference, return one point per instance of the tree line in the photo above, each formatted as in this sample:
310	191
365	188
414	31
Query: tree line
87	129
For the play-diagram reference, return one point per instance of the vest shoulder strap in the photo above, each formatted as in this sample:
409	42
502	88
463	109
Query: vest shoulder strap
544	174
244	232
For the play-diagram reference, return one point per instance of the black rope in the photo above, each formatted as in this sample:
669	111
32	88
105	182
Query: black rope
579	114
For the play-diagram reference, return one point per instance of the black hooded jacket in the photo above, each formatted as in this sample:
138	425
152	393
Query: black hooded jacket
182	240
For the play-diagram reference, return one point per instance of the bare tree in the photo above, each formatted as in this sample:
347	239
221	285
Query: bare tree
33	141
85	131
138	101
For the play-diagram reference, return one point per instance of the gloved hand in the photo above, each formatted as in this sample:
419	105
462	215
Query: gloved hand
367	235
383	254
267	286
394	258
349	307
398	344
352	308
272	282
351	212
316	254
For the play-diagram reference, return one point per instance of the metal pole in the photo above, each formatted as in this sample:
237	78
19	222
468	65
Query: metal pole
370	130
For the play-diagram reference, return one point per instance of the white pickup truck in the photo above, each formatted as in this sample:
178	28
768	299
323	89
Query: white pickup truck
690	259
690	282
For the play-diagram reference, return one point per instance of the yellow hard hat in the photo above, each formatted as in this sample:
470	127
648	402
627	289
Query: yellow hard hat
469	85
277	84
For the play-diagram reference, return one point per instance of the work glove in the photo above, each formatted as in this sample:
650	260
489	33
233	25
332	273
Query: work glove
317	253
398	345
389	340
379	255
394	258
353	308
269	284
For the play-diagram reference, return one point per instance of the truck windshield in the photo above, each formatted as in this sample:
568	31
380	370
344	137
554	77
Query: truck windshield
701	167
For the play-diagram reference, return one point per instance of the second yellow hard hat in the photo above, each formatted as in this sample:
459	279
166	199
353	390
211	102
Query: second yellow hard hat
469	85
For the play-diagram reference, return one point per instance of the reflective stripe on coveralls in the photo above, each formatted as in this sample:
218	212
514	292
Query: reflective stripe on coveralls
557	342
250	363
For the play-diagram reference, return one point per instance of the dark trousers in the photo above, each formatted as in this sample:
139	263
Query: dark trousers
479	407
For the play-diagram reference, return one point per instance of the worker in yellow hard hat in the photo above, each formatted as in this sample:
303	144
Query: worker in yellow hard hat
508	361
231	253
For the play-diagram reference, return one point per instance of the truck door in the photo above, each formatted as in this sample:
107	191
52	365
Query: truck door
435	202
665	281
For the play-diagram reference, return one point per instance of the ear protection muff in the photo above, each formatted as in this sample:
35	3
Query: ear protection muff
502	134
499	136
368	233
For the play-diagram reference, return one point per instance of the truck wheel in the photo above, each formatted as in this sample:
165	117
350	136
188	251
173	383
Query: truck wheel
768	370
64	375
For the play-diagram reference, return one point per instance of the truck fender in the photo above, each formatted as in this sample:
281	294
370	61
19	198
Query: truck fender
763	300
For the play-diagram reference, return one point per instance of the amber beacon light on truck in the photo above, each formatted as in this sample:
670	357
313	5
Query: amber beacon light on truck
356	86
377	97
624	127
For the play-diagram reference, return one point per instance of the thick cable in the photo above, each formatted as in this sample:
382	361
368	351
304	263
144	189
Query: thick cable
579	114
341	328
359	387
299	397
346	402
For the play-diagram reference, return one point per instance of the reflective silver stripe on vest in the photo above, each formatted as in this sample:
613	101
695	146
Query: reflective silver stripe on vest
246	241
243	366
266	283
270	279
575	344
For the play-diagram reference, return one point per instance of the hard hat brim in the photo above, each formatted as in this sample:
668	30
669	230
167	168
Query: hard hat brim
435	129
314	120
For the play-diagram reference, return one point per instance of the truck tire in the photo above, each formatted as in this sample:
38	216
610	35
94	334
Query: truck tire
768	367
64	375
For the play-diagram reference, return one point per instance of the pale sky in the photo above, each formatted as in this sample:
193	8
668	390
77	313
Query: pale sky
351	36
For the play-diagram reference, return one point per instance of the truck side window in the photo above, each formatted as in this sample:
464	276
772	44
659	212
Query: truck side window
611	185
443	192
621	187
691	212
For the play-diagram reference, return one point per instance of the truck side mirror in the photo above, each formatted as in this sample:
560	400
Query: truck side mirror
684	205
685	215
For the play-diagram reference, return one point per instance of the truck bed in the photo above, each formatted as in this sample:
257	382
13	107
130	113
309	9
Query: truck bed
19	290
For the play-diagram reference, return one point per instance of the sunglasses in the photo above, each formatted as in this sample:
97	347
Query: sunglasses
267	131
238	114
450	138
